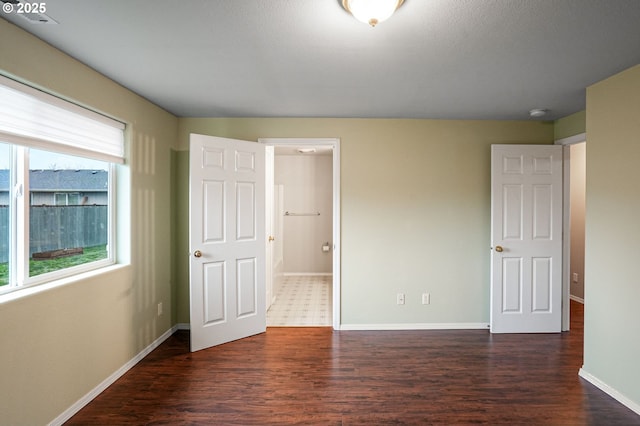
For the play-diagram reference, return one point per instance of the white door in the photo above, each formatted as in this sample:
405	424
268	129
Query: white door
227	235
526	234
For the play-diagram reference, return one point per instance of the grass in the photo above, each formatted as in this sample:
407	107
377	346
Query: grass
39	267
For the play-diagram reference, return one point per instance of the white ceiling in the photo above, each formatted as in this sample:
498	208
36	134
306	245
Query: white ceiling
451	59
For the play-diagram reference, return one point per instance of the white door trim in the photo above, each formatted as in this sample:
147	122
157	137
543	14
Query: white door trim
571	140
566	225
335	144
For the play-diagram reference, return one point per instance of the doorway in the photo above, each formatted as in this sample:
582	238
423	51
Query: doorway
574	155
303	251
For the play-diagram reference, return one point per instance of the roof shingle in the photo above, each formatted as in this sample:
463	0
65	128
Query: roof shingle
61	180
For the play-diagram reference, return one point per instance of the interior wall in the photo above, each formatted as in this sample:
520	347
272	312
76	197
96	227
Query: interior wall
415	210
577	191
308	188
612	283
570	125
59	344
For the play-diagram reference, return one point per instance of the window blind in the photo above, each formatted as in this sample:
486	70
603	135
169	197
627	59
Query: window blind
32	118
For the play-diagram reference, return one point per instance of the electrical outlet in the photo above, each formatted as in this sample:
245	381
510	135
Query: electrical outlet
575	277
159	308
426	298
400	299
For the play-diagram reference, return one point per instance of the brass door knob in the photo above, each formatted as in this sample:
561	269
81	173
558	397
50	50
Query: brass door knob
271	238
499	249
197	253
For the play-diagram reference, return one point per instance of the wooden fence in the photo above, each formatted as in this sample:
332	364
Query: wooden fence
58	227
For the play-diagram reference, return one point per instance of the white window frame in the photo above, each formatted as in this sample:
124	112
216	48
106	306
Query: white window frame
20	203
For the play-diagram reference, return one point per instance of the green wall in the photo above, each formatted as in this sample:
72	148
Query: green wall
59	344
612	284
180	260
415	210
570	125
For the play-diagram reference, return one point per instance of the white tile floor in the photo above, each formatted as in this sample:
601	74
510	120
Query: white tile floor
302	301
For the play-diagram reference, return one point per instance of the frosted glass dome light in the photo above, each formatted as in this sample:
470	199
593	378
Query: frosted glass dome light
371	12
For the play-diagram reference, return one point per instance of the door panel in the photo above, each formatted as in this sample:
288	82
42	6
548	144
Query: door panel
542	281
227	234
512	215
246	211
542	212
526	260
213	214
247	287
511	285
214	286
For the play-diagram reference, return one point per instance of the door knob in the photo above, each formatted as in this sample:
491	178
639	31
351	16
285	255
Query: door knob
271	238
499	249
197	253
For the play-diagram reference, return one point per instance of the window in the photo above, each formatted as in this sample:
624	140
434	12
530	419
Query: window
60	199
72	199
67	198
5	155
57	192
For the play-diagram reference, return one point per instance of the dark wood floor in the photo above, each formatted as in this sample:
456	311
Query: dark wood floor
318	376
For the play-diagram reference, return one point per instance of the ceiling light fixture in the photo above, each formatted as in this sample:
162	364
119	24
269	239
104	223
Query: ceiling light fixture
372	12
537	112
306	150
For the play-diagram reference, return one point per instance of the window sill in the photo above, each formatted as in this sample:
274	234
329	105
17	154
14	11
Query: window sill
35	289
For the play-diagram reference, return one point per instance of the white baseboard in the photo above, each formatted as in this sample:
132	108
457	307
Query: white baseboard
69	412
364	327
576	299
635	407
417	326
308	274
